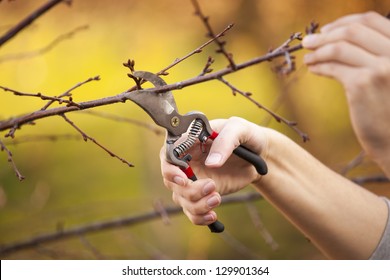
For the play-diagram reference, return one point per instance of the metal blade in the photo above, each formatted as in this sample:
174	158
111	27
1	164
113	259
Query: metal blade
161	107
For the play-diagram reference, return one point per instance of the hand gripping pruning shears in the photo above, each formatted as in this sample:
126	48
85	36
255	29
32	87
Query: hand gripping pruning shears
161	107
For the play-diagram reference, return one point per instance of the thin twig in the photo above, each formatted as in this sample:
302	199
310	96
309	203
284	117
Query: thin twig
159	207
68	92
90	247
11	161
240	247
286	44
42	137
29	19
278	118
257	221
284	91
111	224
41	96
86	137
199	49
163	72
356	161
370	179
207	68
211	34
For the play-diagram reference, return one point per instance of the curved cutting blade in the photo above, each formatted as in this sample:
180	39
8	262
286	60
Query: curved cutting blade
160	106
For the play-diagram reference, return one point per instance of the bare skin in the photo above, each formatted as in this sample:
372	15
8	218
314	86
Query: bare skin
342	219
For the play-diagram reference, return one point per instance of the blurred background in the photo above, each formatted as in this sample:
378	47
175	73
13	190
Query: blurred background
71	183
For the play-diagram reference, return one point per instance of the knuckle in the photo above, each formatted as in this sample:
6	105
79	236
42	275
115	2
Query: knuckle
334	50
191	196
193	209
351	31
195	219
372	77
382	72
235	119
368	17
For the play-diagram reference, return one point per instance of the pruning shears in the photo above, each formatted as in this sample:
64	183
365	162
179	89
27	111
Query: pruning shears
162	108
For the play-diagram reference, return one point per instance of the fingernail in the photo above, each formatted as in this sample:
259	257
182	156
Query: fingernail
179	180
208	188
213	202
209	218
213	158
309	41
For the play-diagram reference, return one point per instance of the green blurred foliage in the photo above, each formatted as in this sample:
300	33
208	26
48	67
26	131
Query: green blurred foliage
72	182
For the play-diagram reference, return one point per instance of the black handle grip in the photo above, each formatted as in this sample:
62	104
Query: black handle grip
249	156
216	227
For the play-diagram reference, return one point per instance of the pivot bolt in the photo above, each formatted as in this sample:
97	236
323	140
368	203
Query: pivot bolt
175	121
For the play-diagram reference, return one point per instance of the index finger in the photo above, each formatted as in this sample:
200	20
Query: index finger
370	19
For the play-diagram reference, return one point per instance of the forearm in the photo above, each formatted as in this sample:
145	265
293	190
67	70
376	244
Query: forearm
342	219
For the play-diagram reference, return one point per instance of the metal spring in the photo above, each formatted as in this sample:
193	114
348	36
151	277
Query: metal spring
193	134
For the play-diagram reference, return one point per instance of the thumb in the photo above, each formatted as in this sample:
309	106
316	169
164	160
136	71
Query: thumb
223	145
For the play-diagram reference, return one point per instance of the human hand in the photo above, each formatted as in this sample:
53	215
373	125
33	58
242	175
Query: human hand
219	171
355	50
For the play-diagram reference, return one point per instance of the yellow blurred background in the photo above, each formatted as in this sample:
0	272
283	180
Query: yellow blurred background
71	183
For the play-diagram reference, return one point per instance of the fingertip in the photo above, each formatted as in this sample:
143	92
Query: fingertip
310	41
210	217
208	188
214	159
213	201
179	180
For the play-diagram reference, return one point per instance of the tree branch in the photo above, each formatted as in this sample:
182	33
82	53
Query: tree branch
68	92
29	19
214	38
370	179
111	224
11	161
86	137
122	97
211	34
278	118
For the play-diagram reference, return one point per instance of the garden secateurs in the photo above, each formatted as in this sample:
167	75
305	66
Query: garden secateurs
161	107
